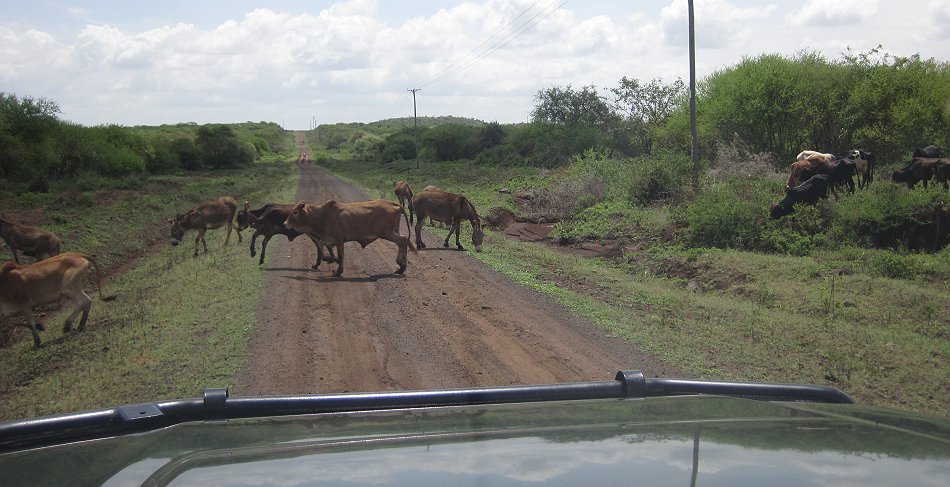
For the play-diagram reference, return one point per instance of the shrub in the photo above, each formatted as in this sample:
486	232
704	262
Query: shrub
727	215
890	216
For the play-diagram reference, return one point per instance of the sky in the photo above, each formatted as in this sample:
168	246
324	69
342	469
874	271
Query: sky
303	63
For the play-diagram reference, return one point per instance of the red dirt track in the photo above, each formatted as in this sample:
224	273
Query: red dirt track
449	322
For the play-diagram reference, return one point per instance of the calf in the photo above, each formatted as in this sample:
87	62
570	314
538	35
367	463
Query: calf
268	221
208	216
447	208
364	222
404	193
919	169
38	244
809	192
24	286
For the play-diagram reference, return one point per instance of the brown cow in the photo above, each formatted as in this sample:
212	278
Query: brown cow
448	208
24	286
207	216
809	163
39	244
404	193
268	221
364	222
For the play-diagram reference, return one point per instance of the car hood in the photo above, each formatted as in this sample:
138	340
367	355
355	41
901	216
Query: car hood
706	440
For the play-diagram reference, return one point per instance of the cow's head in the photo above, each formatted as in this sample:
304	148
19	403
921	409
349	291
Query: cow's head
297	217
779	210
900	175
178	231
478	235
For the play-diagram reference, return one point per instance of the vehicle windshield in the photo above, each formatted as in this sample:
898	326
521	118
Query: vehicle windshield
295	198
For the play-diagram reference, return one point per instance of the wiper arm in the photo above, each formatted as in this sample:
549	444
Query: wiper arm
217	405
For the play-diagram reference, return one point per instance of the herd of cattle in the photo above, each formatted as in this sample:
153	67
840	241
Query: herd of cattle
56	277
814	173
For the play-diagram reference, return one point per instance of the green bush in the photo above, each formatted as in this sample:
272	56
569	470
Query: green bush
728	215
887	215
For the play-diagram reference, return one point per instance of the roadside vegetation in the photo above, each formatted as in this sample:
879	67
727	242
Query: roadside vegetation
851	292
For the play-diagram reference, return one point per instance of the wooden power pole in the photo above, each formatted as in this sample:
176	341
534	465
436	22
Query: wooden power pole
415	122
694	134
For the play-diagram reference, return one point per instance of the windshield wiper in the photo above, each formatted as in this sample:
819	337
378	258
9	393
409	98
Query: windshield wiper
218	405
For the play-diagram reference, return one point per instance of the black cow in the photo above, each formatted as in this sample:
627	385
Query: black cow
809	192
920	169
268	221
931	151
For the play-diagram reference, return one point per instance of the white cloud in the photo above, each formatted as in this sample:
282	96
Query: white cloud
348	62
719	23
837	12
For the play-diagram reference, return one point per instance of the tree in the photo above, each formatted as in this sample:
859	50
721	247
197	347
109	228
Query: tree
566	106
221	149
645	108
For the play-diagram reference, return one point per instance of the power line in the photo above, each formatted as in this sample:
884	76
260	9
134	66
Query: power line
498	45
499	31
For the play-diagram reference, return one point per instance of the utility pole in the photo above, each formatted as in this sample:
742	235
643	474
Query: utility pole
415	120
694	135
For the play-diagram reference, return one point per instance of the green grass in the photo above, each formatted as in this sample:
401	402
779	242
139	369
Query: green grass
179	323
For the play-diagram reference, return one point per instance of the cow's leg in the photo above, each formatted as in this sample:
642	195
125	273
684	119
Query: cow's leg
83	303
254	243
264	248
339	260
228	238
419	243
31	322
402	255
238	230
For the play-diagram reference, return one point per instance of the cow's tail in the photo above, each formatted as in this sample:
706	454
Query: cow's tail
411	208
407	218
95	265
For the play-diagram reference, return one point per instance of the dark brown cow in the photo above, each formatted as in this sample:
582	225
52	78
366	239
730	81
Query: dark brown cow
208	216
919	169
404	193
24	286
364	222
38	244
943	173
268	221
447	208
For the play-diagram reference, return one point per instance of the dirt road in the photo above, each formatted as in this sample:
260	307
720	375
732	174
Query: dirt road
450	321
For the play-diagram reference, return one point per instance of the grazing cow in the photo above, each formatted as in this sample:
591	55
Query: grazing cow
447	208
811	163
24	286
929	152
809	192
364	222
268	221
863	166
208	216
404	193
840	172
919	169
38	244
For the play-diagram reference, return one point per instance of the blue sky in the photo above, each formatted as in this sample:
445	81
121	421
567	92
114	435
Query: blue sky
295	62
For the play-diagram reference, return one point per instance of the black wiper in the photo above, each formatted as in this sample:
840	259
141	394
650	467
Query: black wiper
217	405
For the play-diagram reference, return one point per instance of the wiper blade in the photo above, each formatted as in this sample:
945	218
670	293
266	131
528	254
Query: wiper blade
217	405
